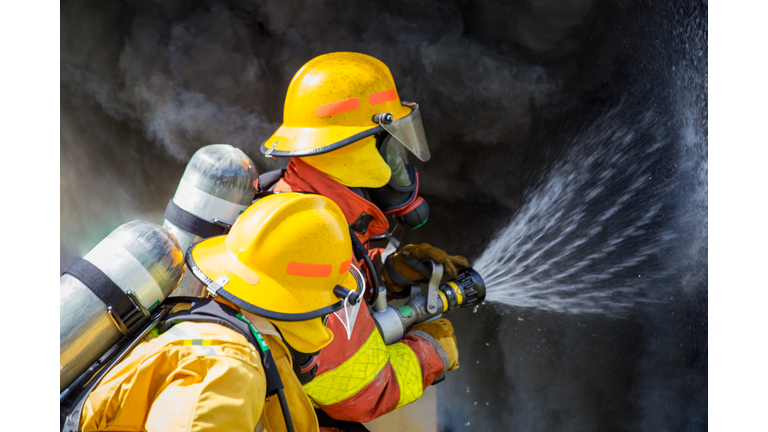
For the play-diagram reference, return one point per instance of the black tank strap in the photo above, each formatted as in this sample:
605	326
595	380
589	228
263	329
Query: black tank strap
268	180
128	313
191	223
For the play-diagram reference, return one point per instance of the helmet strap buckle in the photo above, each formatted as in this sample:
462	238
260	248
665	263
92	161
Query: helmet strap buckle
268	154
215	286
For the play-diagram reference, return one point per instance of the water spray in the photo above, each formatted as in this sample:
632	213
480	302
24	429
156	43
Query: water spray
428	301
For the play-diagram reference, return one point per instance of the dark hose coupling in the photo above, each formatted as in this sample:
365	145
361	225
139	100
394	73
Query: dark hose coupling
467	289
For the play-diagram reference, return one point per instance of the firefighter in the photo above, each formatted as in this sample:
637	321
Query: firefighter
283	268
348	135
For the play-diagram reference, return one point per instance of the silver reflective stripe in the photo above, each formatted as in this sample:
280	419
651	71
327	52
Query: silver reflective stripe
183	333
205	205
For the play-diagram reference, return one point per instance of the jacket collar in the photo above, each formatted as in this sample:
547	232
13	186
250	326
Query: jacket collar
362	215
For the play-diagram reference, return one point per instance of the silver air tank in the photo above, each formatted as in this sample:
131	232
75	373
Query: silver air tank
110	291
218	184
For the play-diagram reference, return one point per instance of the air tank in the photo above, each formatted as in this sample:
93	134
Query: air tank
139	264
219	183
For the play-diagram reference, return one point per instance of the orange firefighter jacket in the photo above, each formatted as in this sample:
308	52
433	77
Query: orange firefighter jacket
361	379
197	377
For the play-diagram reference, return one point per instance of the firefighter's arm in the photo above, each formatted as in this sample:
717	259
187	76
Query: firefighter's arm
373	379
225	394
194	376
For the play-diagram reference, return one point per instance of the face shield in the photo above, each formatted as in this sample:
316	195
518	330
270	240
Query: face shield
400	194
396	157
409	131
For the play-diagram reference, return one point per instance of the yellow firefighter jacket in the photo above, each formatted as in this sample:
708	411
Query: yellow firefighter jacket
197	377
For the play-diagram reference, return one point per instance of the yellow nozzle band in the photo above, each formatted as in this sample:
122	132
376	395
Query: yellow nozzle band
458	291
444	299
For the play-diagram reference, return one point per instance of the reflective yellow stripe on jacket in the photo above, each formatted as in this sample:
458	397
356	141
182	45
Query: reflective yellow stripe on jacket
363	367
188	336
408	371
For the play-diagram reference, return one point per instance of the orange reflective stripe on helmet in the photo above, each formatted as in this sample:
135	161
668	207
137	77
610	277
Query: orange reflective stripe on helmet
344	267
316	270
308	270
382	97
338	107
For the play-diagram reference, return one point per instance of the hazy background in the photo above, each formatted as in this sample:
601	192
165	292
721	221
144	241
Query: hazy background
588	115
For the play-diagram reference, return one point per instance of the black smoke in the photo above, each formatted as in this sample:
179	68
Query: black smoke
508	89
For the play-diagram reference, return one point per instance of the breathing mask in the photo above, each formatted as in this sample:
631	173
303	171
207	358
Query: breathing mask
401	193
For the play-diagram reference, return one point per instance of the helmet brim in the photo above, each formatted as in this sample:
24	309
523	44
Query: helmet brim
290	141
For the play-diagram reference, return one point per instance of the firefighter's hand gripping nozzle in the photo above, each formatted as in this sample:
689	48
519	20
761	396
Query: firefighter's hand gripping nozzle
466	290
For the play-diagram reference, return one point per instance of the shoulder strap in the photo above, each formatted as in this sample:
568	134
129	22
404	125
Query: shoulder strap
268	180
211	311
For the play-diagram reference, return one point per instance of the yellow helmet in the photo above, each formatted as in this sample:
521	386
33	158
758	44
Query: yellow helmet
339	99
287	258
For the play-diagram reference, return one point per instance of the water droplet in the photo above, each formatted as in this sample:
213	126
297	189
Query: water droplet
478	362
475	402
467	389
487	344
467	424
519	319
487	403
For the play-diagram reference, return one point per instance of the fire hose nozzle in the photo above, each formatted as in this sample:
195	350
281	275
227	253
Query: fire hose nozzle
466	290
